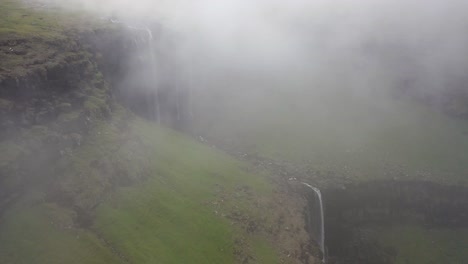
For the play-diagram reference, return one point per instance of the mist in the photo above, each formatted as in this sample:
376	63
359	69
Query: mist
241	68
341	69
234	131
359	46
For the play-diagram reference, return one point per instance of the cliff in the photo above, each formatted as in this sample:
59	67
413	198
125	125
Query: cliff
88	176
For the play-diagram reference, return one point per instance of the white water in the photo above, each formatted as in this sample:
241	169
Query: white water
320	239
153	69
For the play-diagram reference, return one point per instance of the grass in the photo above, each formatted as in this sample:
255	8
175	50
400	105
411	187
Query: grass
360	139
21	20
155	191
29	233
265	254
35	37
155	225
26	33
166	219
48	21
427	246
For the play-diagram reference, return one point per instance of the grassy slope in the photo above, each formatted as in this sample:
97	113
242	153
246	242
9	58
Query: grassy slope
159	188
36	19
166	217
25	21
30	233
359	139
29	34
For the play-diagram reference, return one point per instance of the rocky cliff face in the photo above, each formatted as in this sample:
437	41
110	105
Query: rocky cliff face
54	90
52	112
48	101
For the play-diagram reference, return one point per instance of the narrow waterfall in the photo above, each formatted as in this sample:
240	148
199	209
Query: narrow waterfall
146	43
152	81
315	218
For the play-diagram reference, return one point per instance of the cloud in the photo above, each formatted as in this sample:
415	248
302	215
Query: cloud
363	43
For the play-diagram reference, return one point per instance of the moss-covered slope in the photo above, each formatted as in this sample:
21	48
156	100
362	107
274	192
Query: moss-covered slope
134	192
334	137
83	180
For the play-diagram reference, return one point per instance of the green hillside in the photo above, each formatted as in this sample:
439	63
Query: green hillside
84	180
367	138
126	139
170	203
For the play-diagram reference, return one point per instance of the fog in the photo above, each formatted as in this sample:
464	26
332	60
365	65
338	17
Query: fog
321	62
367	45
332	93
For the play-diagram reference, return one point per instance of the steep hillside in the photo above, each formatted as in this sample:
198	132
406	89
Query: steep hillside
85	180
392	170
134	192
339	135
124	139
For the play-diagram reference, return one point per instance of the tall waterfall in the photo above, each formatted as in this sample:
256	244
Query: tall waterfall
153	71
146	43
315	219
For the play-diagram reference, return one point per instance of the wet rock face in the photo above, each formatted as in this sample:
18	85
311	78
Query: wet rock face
313	216
350	211
51	96
58	77
38	94
143	71
49	99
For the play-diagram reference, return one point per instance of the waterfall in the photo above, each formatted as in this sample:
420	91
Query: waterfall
316	223
148	46
153	70
190	88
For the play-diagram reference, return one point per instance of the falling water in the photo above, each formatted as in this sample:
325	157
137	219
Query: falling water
152	63
153	71
317	225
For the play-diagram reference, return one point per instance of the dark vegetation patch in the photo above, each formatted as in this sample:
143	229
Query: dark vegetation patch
35	36
360	218
51	91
